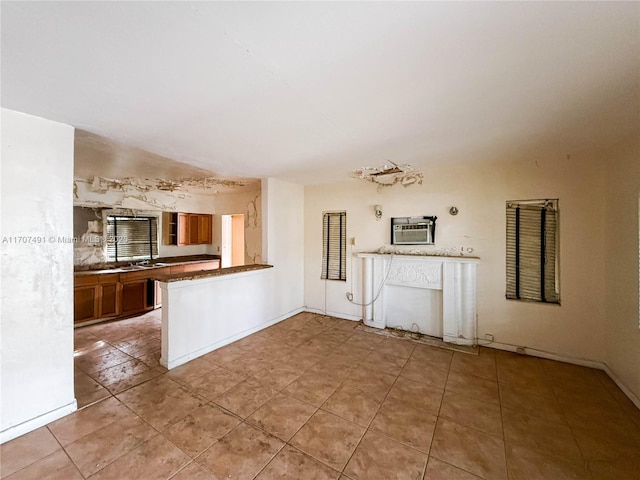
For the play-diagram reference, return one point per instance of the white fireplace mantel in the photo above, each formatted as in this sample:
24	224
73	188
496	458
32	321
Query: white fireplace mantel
434	295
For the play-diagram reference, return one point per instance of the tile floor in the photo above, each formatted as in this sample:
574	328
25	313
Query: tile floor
312	398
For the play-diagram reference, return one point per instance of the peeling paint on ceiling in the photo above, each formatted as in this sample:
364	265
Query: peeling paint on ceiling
111	165
390	174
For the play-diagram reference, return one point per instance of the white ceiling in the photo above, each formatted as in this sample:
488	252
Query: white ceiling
309	91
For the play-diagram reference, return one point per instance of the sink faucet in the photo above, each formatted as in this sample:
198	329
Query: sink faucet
136	264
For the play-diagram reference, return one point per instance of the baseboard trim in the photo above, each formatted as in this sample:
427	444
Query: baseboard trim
583	362
37	422
176	362
630	395
343	316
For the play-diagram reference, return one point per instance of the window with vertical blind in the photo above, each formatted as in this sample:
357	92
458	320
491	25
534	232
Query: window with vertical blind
131	238
334	246
532	251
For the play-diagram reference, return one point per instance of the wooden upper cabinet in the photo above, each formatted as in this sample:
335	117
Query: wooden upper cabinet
191	228
205	235
183	228
194	229
186	228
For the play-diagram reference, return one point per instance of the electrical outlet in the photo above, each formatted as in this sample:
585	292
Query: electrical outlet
520	350
488	336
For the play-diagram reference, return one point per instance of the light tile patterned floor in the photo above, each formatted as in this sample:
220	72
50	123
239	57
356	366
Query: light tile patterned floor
312	398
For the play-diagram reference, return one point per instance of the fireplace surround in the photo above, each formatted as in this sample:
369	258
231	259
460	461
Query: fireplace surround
433	295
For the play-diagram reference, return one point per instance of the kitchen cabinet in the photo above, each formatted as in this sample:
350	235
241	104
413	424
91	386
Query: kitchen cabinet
112	295
176	269
183	228
134	291
134	297
194	229
85	303
157	297
109	295
205	233
198	267
96	296
186	228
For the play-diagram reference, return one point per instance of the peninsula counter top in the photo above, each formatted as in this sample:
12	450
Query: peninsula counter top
179	277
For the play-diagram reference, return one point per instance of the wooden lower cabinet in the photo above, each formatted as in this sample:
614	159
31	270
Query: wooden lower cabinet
85	303
134	297
109	295
157	298
199	266
176	269
113	295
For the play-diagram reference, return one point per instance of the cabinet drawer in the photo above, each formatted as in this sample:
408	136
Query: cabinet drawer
86	280
194	267
199	266
177	269
137	275
109	278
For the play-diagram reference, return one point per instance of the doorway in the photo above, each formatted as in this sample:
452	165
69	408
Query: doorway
232	240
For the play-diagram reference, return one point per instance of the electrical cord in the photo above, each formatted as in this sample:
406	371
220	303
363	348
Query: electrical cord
384	280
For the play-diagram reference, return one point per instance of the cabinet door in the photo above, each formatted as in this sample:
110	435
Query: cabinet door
194	229
205	234
85	303
183	229
157	303
134	297
109	300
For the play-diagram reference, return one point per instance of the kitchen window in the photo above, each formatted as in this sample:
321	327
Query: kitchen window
131	238
532	251
334	246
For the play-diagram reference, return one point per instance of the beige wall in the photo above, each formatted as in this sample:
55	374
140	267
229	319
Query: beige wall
574	329
621	225
283	247
247	202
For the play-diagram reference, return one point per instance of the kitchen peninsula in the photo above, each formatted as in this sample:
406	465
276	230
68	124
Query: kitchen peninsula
203	311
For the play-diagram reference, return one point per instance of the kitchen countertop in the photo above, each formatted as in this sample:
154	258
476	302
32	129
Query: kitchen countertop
178	277
122	267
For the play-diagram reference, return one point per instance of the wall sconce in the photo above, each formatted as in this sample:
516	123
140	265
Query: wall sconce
378	209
